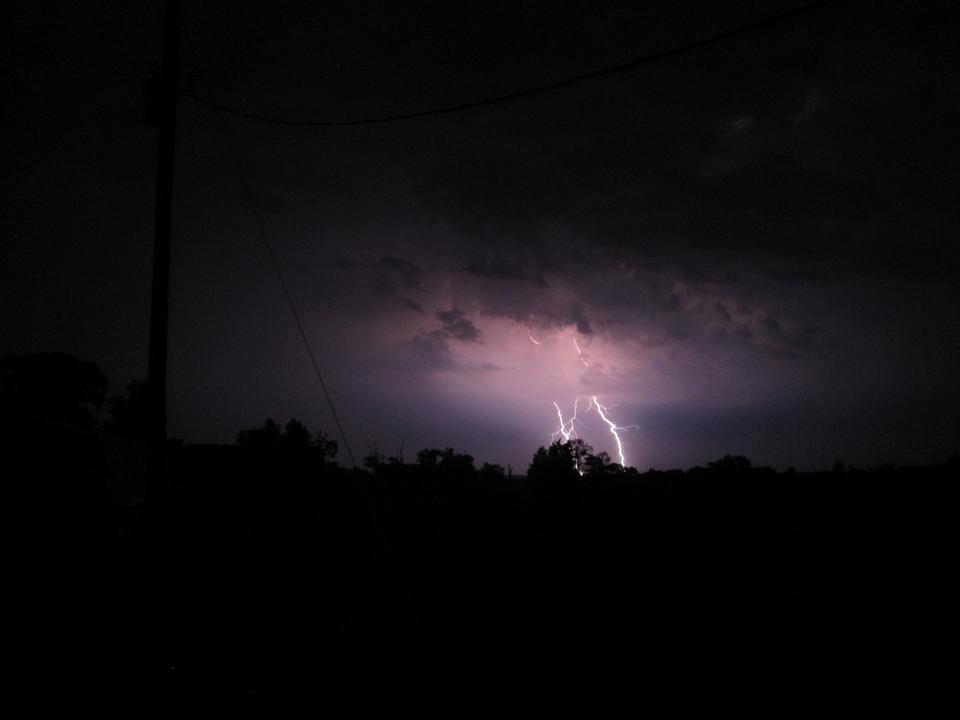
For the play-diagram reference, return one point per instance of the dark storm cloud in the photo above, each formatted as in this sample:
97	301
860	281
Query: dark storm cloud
770	174
411	305
458	327
787	342
431	350
545	305
631	208
774	214
759	190
410	274
393	278
499	268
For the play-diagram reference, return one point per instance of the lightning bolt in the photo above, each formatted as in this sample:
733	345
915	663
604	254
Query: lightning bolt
567	428
615	429
579	351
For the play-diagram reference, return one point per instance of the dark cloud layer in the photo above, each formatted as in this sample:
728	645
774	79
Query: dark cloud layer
410	274
456	326
753	243
500	269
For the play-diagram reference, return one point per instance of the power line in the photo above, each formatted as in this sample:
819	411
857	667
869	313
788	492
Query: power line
248	197
538	89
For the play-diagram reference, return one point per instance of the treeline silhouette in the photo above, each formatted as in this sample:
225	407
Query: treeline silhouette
263	578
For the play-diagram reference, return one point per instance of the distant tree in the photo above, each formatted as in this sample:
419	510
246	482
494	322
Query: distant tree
293	435
581	453
730	464
558	465
491	477
429	458
446	462
599	466
493	471
265	437
373	459
129	415
51	389
53	463
327	446
456	464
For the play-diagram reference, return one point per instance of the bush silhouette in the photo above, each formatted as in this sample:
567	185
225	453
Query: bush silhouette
52	389
294	435
730	464
558	466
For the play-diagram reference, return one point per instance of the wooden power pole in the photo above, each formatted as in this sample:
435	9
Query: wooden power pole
165	105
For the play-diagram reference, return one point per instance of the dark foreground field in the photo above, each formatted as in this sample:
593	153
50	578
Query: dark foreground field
265	584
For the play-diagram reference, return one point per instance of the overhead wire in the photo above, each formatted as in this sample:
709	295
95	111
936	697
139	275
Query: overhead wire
525	92
222	109
248	198
288	296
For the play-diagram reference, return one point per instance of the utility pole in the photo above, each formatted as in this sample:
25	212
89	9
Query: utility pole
165	106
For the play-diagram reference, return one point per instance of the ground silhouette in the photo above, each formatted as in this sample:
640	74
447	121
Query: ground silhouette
262	578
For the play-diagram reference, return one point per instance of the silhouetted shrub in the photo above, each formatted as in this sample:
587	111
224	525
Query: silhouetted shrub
129	415
52	389
557	467
294	435
730	464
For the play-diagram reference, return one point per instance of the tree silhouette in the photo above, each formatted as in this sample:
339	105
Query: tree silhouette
558	466
598	466
493	471
327	446
265	437
293	436
731	464
51	389
129	415
446	463
429	458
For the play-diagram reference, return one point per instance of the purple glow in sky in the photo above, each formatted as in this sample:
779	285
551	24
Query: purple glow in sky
748	248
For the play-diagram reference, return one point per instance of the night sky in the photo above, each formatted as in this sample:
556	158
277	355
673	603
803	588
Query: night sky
752	243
